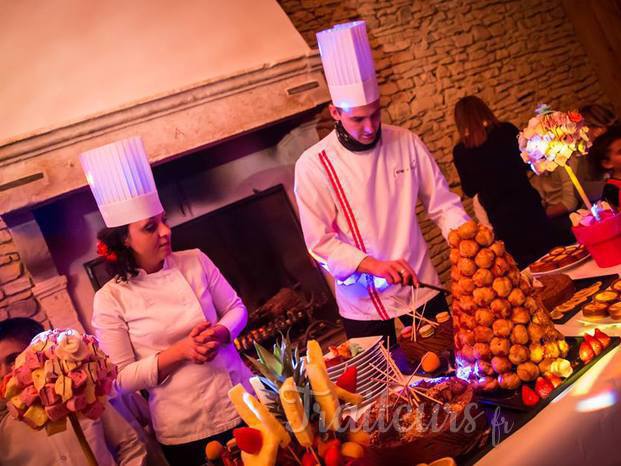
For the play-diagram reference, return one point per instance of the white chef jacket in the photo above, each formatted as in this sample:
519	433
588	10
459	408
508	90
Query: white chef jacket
110	437
349	201
137	319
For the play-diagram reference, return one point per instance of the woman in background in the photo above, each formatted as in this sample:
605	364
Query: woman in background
489	165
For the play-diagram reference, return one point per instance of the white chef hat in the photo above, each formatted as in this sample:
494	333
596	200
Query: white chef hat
348	64
122	182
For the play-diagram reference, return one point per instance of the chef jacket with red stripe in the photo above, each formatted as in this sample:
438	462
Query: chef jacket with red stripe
354	204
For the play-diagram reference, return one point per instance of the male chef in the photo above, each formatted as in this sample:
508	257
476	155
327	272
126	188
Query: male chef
357	190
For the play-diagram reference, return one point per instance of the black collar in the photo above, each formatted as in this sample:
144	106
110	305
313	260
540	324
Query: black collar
349	143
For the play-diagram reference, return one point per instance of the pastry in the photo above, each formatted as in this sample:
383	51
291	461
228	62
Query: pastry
426	331
502	328
615	311
484	259
484	236
502	286
509	381
518	354
616	285
483	334
500	346
595	311
501	267
484	317
606	297
498	248
483	296
527	371
468	230
520	315
454	256
501	364
468	248
483	277
501	308
557	288
519	335
467	266
516	297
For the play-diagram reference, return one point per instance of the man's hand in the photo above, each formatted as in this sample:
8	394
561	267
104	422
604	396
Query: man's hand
394	272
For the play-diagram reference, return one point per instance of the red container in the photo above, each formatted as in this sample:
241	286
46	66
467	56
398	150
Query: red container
602	239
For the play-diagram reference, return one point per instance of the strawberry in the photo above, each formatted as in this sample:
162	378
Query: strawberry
324	447
594	343
349	379
555	380
602	337
543	387
248	439
333	456
585	352
529	397
309	459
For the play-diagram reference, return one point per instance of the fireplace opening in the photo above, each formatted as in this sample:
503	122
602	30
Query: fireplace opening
258	246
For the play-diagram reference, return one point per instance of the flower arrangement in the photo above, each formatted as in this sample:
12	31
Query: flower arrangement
61	374
550	139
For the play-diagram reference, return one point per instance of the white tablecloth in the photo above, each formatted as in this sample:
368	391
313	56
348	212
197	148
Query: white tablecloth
583	425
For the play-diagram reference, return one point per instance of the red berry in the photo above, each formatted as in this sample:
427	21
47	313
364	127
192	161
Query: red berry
309	459
602	337
555	380
349	379
585	352
333	456
594	343
529	397
543	387
248	439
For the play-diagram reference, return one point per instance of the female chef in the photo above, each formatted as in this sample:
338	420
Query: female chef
167	319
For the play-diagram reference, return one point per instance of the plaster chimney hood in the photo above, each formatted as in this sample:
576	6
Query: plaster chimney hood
183	75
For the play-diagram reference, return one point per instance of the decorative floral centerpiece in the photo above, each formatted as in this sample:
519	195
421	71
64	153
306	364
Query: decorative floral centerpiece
61	374
548	142
551	139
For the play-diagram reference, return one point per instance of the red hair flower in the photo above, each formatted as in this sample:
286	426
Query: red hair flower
103	251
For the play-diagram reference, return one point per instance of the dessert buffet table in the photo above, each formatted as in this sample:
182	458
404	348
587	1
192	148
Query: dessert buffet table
582	426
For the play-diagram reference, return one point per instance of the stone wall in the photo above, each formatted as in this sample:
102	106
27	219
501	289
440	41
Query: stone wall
514	54
16	287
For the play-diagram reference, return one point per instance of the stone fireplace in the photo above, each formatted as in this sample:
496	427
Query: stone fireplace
222	117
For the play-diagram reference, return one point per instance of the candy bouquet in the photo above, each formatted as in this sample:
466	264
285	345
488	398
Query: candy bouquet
550	139
62	374
548	142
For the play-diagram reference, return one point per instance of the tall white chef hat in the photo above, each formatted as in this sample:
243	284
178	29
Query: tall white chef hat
122	182
348	64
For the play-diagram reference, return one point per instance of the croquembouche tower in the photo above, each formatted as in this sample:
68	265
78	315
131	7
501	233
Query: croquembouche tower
503	335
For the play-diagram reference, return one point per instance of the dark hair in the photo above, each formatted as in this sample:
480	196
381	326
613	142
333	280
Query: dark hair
599	151
124	266
20	329
474	120
598	116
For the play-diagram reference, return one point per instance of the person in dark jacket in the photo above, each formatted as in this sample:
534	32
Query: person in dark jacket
488	162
